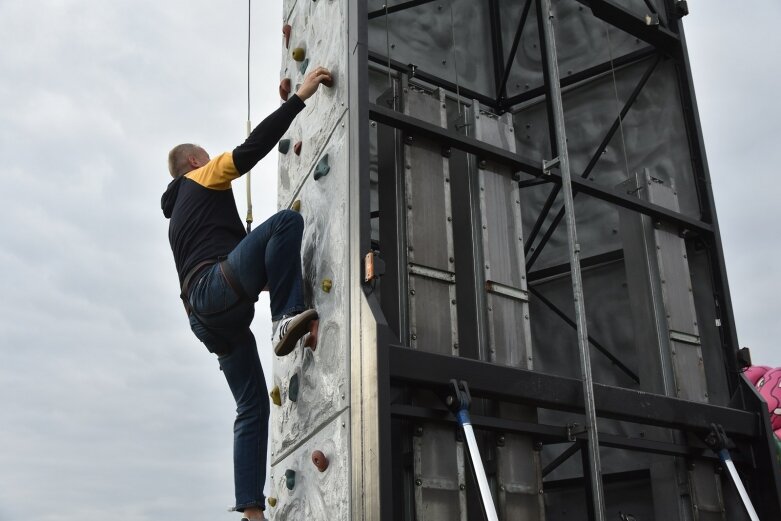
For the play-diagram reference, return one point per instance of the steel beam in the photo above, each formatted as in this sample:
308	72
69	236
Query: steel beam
415	72
446	137
396	8
431	371
621	18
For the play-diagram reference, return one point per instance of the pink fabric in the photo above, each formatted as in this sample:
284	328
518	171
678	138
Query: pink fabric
769	387
755	372
778	434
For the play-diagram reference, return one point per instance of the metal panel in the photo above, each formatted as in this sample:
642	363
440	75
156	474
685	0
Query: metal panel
315	495
663	308
453	46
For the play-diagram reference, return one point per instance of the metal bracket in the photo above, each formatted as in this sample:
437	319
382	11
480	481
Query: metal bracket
717	439
547	166
459	398
574	429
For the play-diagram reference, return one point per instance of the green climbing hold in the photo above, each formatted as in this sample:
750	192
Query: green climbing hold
327	285
304	65
276	397
322	168
296	206
299	54
290	479
292	389
272	502
284	146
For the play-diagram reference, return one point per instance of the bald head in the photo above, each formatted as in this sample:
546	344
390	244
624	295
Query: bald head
186	157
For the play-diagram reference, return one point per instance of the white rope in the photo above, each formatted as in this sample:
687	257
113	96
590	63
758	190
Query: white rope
618	103
249	123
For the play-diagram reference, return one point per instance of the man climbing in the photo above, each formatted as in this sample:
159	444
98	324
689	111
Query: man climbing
222	270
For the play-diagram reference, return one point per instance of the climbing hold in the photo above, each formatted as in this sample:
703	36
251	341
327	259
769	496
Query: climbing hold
290	479
320	461
304	65
284	89
292	388
322	168
297	148
310	340
272	502
276	397
296	206
286	30
299	54
327	285
284	146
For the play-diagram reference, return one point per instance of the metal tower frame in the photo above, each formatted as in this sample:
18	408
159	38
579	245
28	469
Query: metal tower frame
382	365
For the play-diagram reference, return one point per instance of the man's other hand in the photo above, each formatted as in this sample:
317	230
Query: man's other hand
313	81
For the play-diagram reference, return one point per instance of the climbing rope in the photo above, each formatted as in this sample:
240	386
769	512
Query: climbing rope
618	103
249	123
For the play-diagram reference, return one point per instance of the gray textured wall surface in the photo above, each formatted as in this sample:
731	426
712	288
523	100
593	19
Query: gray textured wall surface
319	418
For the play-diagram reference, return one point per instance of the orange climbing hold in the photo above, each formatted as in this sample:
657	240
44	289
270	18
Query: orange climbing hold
319	460
297	148
284	89
286	30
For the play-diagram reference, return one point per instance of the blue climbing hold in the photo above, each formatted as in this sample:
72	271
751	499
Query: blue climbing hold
304	65
292	389
322	168
290	479
284	146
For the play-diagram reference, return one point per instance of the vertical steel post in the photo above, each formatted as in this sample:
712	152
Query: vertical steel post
554	93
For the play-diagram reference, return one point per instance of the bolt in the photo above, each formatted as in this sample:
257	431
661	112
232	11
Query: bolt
412	292
414	336
462	487
455	346
419	482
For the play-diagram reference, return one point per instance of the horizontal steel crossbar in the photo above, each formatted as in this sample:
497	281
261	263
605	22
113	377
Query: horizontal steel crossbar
446	137
428	370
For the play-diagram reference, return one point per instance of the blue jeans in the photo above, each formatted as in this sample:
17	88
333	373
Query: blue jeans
269	256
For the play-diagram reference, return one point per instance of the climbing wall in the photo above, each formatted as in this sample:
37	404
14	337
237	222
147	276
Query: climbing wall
310	388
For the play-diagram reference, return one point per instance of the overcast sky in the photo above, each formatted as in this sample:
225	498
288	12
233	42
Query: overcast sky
109	408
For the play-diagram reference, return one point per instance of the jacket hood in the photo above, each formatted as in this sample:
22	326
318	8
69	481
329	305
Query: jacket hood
168	200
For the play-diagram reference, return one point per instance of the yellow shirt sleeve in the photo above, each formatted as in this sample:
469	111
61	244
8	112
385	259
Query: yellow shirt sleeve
217	174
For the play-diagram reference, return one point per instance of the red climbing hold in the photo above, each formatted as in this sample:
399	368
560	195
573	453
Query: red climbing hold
320	461
286	30
297	148
310	340
284	89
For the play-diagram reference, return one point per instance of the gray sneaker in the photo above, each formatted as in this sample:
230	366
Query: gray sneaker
289	330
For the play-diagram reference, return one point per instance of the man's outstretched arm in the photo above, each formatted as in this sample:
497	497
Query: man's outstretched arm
266	135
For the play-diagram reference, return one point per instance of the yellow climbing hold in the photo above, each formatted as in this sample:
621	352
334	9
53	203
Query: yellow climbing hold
272	502
299	54
327	285
276	397
296	206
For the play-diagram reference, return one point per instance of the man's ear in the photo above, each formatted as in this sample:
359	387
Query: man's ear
192	160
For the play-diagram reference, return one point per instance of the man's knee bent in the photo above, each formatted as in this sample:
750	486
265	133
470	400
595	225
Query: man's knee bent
292	218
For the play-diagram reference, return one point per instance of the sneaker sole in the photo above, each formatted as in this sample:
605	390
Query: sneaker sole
297	329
